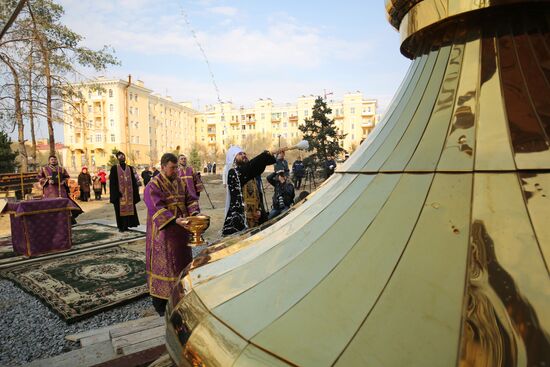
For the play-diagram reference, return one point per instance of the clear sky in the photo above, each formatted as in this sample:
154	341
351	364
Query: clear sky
257	49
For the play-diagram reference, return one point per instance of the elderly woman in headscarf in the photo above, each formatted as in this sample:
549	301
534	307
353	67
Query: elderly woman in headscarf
84	181
244	206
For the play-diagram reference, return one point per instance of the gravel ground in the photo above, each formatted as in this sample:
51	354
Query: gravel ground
29	330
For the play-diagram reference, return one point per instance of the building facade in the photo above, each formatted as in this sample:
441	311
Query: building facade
127	116
224	124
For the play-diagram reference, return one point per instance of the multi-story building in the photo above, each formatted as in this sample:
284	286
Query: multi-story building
223	124
117	114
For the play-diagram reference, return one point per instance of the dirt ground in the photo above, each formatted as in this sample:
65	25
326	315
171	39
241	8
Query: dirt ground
103	210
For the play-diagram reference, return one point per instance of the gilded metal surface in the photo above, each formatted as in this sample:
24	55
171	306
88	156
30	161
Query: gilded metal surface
423	294
536	193
459	150
430	246
397	160
493	150
335	311
240	280
412	17
427	153
508	295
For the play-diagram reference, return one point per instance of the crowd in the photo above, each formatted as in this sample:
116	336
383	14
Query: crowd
172	193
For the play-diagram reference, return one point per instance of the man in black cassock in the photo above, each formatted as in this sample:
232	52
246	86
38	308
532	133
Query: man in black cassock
124	193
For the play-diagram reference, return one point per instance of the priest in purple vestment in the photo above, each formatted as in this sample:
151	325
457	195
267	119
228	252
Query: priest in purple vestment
191	178
124	193
53	179
168	202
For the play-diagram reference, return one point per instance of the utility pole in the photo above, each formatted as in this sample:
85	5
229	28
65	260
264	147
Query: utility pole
327	94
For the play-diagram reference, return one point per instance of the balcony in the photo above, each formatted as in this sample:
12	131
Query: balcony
251	121
293	119
367	124
275	120
339	117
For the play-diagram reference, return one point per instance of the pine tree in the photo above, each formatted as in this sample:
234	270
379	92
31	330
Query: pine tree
7	156
321	133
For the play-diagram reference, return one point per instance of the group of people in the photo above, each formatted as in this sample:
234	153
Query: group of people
97	182
210	167
173	193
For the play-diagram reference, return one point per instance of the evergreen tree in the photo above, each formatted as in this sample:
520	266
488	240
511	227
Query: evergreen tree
321	132
7	156
195	160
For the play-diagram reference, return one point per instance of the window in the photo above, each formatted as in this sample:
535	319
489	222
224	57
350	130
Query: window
135	98
130	110
285	124
263	116
284	114
352	110
243	136
98	138
306	112
131	96
90	108
368	109
243	127
112	138
137	139
99	93
89	124
353	126
112	123
89	94
136	111
352	136
110	93
111	107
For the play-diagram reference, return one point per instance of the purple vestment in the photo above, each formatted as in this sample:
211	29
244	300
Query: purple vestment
192	181
126	190
59	188
167	253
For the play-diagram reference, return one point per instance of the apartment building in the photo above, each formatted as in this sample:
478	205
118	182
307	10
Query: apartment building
224	124
126	115
123	115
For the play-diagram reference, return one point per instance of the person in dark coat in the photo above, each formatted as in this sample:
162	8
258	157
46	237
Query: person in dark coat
281	164
84	182
146	175
283	197
298	172
156	172
244	197
330	166
124	193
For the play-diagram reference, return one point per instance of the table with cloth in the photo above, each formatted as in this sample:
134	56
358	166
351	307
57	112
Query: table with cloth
41	226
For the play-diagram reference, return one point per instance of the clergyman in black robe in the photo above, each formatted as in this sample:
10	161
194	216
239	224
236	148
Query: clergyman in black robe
124	193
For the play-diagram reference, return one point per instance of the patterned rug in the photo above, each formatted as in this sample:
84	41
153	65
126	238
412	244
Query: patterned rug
83	235
80	285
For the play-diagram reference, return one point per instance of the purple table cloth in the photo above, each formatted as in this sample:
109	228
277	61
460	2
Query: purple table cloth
41	226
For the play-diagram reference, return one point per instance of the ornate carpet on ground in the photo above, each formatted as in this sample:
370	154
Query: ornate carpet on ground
83	235
79	285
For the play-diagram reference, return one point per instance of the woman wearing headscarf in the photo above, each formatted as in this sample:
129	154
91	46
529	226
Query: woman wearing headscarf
244	206
84	182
